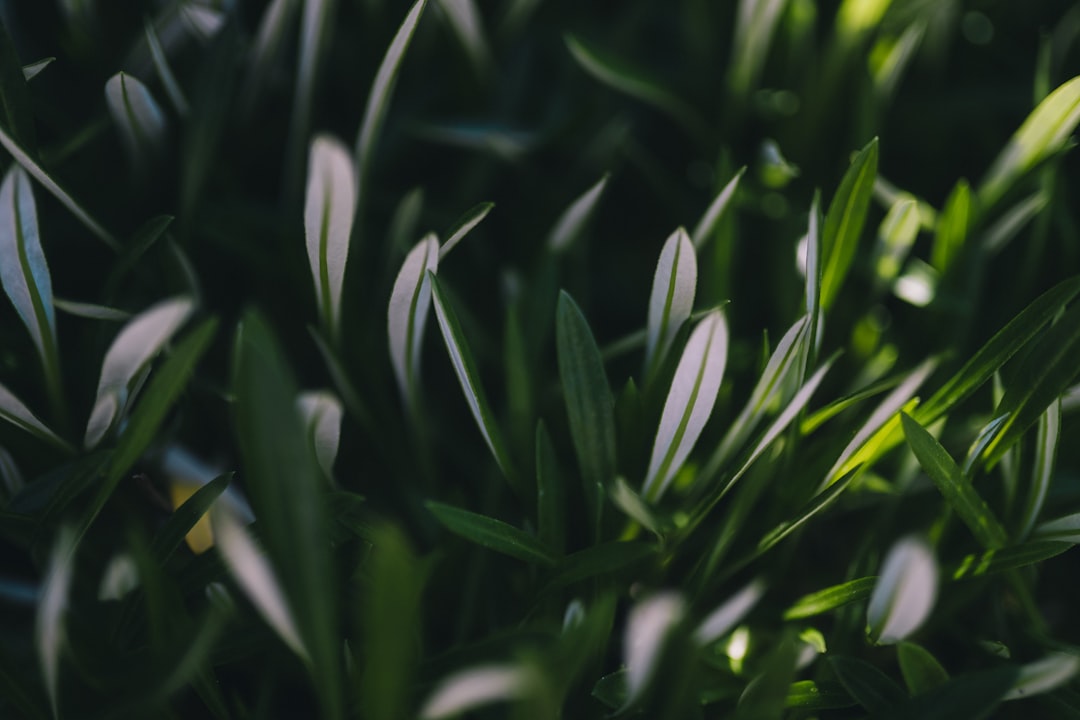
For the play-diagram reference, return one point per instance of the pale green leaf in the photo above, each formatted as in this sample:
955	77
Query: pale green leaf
408	312
573	220
328	220
707	225
952	227
905	591
464	226
137	115
647	626
672	299
465	20
321	413
844	222
1044	675
49	628
830	598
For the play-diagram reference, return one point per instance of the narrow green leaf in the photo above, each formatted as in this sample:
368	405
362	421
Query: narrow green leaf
831	598
973	695
601	561
1011	558
998	234
164	70
957	489
755	25
391	619
952	227
550	493
24	272
464	226
408	312
465	369
381	89
279	16
998	350
34	69
321	413
632	83
49	628
137	115
590	406
1043	472
689	403
1064	529
810	695
1044	375
184	518
816	504
316	28
287	493
136	344
707	225
896	235
38	173
921	670
465	20
572	222
492	534
328	220
635	508
672	299
91	311
1044	675
16	112
870	687
844	222
15	412
1042	134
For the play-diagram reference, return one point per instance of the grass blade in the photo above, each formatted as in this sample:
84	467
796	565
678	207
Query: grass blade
647	626
16	111
321	413
905	592
707	225
870	687
813	271
922	671
896	235
315	36
689	403
998	350
590	406
830	598
49	632
844	222
408	312
464	226
952	227
755	24
957	489
381	89
34	69
187	518
24	273
573	220
723	619
278	17
137	115
1044	375
672	299
465	369
164	71
328	219
1043	675
551	493
91	311
465	21
492	534
136	344
15	412
819	502
1042	134
1045	456
288	496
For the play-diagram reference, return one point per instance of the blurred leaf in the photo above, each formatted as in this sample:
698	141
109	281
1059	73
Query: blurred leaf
905	592
831	598
164	70
813	276
755	25
1043	472
321	413
601	560
672	298
392	622
870	687
997	235
13	410
465	369
38	173
723	619
647	626
1043	133
379	97
137	115
572	222
1043	675
998	350
634	506
766	695
717	208
466	22
1010	558
315	35
16	112
551	493
922	672
972	695
90	311
816	504
464	226
590	406
328	220
18	693
636	85
408	312
952	227
810	695
131	351
492	534
896	236
957	489
185	517
844	222
255	575
689	403
288	496
476	687
1045	373
278	17
34	69
611	689
50	634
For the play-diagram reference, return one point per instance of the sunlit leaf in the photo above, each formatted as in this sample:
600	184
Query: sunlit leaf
647	626
952	227
999	233
1010	558
672	299
830	598
905	591
634	506
91	311
1043	133
689	403
136	344
573	220
723	619
896	235
755	25
492	534
381	89
408	311
321	413
476	687
49	629
922	672
1044	675
716	210
590	406
844	222
465	369
328	219
120	577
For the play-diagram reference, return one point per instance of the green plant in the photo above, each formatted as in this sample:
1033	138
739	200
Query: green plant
242	477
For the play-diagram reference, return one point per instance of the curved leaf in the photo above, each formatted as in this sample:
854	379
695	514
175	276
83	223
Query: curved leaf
723	619
647	626
408	311
830	598
572	221
328	219
137	114
844	222
321	413
905	591
476	687
922	672
672	299
464	226
13	410
492	534
689	403
49	628
705	227
465	20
